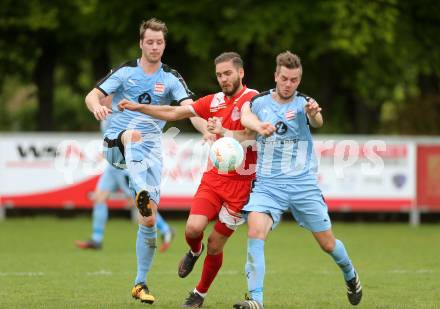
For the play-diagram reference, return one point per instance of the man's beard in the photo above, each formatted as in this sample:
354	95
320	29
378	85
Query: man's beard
235	85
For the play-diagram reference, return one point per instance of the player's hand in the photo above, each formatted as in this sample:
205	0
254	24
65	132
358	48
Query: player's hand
125	104
209	138
266	129
214	126
312	108
101	112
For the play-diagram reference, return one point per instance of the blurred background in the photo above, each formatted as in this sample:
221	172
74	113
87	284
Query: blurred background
373	65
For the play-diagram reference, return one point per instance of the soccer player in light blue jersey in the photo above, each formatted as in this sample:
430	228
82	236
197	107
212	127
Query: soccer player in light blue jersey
286	177
133	140
112	180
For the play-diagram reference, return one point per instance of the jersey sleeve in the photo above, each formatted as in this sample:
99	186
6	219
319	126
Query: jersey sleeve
201	107
306	99
255	105
247	99
112	82
179	90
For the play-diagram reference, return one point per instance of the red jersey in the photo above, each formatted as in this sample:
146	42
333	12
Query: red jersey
229	110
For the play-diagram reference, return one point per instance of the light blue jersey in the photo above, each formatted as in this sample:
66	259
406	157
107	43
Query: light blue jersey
143	159
129	81
288	154
286	165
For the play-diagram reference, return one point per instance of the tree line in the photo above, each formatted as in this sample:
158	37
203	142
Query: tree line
374	66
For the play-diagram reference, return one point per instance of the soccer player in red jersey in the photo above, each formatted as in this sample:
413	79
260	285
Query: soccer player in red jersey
220	195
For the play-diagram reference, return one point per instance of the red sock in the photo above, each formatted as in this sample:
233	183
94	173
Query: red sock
211	266
194	243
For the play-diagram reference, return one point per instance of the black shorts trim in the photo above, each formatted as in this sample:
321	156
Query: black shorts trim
116	143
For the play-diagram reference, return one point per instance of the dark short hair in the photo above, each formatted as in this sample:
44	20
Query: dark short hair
230	56
153	24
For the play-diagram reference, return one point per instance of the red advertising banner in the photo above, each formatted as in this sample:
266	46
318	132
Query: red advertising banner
428	177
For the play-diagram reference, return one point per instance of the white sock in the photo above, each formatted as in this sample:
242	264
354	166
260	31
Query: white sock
201	294
198	253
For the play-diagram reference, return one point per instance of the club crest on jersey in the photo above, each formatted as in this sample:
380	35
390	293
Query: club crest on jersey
159	88
290	114
235	115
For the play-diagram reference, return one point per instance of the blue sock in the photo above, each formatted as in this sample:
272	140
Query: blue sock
340	255
145	249
255	268
161	224
100	215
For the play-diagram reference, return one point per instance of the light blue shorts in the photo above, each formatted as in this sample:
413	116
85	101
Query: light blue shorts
145	167
304	200
114	151
114	179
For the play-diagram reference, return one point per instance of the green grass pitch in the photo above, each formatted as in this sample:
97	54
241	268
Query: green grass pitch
399	267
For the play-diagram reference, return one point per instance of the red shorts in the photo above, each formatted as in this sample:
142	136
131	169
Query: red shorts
215	190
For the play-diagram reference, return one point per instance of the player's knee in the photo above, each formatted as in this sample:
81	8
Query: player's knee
193	230
136	136
147	221
100	196
214	246
218	239
131	136
328	245
256	233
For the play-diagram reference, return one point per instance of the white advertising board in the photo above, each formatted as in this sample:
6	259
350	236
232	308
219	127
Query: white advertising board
55	169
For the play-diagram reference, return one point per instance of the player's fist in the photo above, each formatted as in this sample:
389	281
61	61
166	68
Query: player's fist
266	129
312	108
209	138
125	104
101	112
214	126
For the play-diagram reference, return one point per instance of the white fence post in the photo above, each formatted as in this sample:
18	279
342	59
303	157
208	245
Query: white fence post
414	216
2	212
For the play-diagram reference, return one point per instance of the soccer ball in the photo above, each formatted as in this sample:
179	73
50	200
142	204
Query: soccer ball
226	154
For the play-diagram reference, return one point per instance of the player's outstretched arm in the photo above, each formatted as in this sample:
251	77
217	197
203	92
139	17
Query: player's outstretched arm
215	127
199	123
313	111
93	102
250	121
164	112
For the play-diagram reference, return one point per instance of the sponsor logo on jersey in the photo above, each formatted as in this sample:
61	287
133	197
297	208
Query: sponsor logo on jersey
281	128
144	98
